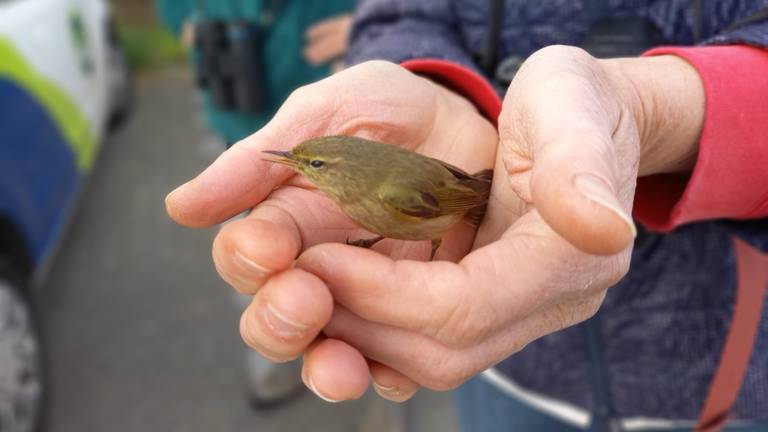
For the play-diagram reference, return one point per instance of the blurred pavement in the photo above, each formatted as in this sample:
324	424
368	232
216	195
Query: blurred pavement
142	334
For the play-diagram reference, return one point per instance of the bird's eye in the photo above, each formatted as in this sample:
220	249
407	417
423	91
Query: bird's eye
316	163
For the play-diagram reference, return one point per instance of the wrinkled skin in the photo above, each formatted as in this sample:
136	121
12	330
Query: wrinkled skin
573	136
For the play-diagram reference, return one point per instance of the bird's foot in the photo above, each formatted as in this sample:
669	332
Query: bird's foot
365	243
435	245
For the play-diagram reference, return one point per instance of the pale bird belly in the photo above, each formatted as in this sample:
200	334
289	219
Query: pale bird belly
400	226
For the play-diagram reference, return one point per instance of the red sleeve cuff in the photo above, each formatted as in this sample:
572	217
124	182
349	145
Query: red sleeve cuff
463	81
730	178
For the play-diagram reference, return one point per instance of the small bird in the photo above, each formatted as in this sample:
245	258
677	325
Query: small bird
390	191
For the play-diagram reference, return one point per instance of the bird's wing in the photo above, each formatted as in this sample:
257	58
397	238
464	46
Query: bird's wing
427	200
458	198
410	200
470	190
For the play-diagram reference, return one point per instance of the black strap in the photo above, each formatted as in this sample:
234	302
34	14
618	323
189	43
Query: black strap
596	10
698	21
604	417
698	16
491	49
759	15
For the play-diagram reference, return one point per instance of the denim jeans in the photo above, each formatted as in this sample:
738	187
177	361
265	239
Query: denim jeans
481	407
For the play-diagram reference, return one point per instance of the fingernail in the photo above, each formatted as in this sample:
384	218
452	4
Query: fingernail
312	387
387	392
598	190
281	324
249	264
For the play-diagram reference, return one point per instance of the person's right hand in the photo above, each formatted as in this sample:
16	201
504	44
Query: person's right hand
374	100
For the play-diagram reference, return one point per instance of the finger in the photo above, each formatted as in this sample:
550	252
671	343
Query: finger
240	178
335	371
387	291
458	304
431	364
455	304
286	315
575	188
391	384
236	181
246	252
579	184
328	27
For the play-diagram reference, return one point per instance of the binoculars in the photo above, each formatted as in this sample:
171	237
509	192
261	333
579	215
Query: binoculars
230	64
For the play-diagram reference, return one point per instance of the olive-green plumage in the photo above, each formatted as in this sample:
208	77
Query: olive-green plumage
388	190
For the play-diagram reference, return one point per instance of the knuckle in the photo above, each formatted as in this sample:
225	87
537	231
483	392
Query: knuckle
299	94
382	65
617	268
566	314
561	52
445	369
246	331
561	83
592	305
560	316
307	96
252	337
445	374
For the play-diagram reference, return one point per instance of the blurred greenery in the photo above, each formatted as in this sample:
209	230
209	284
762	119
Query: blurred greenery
151	47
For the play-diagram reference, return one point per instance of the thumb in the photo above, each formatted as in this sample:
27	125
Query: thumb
578	188
564	112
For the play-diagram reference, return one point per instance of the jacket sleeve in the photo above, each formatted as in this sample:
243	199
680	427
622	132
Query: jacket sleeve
400	30
730	180
718	29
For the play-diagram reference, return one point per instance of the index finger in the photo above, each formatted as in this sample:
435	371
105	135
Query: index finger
527	269
240	178
367	100
457	304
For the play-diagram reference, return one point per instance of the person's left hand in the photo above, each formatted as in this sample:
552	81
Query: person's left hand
575	132
327	40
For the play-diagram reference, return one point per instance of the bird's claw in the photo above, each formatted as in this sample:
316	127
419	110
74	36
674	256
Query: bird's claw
364	243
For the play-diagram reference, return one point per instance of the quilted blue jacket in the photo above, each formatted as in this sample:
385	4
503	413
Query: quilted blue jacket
663	326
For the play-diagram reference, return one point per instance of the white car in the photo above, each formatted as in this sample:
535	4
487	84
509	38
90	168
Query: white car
63	81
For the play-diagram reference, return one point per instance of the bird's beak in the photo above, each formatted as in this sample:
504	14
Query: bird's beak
283	157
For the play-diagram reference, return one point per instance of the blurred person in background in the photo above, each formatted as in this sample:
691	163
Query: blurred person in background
248	57
675	136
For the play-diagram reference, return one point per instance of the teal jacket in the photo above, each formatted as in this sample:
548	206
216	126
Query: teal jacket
286	68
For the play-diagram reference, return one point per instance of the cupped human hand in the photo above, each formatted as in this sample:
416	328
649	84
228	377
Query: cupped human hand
436	324
574	134
375	100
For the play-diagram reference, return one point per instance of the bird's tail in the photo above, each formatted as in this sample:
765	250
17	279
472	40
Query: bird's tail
480	182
